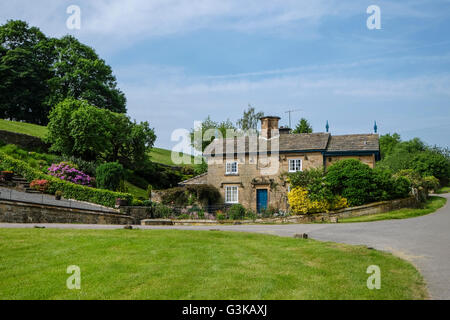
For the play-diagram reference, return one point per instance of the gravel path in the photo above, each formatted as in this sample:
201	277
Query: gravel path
425	241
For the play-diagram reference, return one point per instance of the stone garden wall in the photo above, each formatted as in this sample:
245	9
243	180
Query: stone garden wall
23	140
368	209
21	212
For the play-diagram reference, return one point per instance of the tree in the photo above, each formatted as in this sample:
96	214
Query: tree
79	129
208	131
250	119
38	72
26	56
416	155
81	74
303	126
388	142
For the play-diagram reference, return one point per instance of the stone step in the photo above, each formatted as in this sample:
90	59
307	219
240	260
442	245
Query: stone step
31	191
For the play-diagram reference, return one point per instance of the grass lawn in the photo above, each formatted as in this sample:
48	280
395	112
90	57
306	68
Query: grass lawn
21	127
432	204
175	264
136	191
164	156
443	190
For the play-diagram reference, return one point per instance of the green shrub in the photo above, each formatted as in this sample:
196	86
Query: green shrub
431	183
313	181
184	216
69	190
160	211
236	212
353	180
190	194
109	175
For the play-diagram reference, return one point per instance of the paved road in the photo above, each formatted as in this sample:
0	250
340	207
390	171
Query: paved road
425	241
11	194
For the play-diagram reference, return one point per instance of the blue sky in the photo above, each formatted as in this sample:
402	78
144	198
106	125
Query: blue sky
179	61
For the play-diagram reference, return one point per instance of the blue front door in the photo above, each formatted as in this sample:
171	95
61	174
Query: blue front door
261	200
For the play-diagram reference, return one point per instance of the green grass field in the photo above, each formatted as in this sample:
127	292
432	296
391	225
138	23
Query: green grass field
25	128
432	204
175	264
165	156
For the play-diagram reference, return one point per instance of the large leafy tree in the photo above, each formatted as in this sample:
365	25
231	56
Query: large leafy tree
79	129
26	56
250	119
81	74
303	126
202	136
38	72
416	155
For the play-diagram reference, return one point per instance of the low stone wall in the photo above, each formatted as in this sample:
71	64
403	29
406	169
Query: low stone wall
23	140
22	212
368	209
137	213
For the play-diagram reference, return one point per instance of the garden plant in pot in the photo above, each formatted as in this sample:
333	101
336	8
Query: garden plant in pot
58	195
7	175
121	202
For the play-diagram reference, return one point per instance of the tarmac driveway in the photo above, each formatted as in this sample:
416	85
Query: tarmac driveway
425	241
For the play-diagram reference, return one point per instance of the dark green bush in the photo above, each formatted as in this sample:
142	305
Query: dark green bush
353	180
159	176
190	194
236	212
160	211
69	190
109	175
313	180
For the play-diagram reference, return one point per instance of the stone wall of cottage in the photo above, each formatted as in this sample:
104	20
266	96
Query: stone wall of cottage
367	159
259	173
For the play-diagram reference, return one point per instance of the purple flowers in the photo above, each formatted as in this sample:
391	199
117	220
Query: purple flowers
65	171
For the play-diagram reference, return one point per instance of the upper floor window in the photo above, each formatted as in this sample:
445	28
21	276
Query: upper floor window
231	167
295	165
231	194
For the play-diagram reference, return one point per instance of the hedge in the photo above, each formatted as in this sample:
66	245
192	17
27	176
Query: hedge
69	190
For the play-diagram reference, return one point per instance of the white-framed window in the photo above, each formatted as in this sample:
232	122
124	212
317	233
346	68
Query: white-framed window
231	194
231	167
295	165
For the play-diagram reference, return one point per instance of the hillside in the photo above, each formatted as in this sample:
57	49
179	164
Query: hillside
22	127
157	155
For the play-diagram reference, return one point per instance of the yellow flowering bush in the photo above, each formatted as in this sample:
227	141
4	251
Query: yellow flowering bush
300	202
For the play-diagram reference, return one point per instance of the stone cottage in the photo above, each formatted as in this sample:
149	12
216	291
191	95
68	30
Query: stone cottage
251	170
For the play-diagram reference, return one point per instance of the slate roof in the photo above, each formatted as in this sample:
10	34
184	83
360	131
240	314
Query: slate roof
354	142
304	142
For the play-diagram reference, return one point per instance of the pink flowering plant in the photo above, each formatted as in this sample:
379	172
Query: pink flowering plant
68	172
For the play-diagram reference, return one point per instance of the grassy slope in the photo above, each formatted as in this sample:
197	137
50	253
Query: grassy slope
443	190
136	191
164	156
432	204
157	155
175	264
26	128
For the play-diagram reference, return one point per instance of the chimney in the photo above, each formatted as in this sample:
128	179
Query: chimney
268	124
285	130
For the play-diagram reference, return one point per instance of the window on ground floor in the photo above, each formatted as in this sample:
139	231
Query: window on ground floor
231	194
